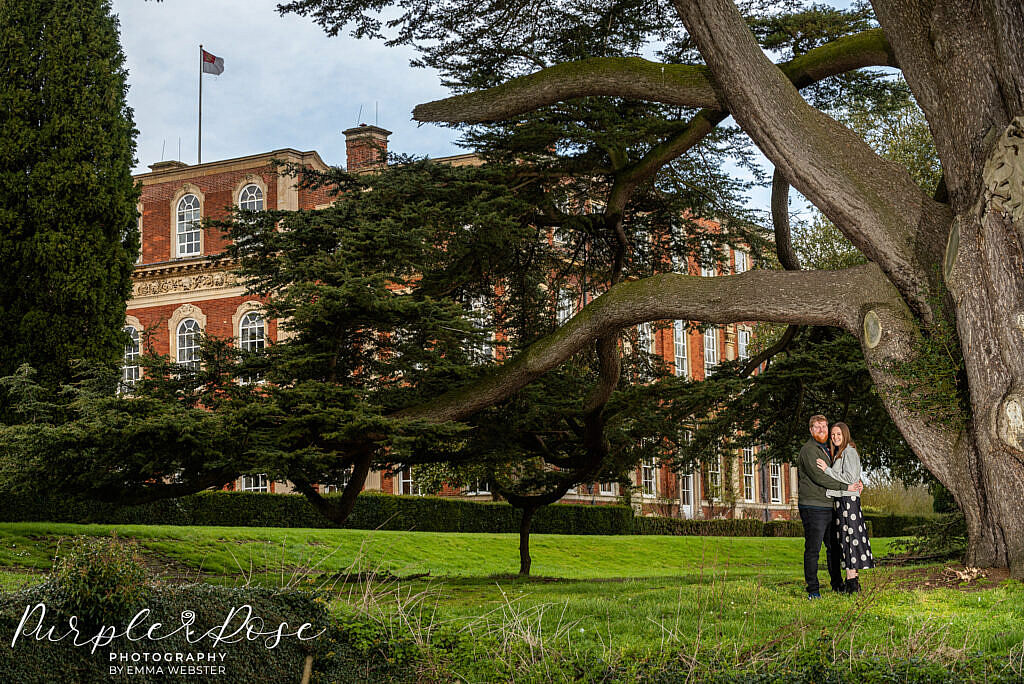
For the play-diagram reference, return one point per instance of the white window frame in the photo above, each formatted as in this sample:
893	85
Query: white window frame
743	343
748	474
606	488
251	321
188	235
711	358
479	487
257	482
646	339
131	372
483	350
714	472
775	478
565	305
406	484
188	354
686	489
649	478
742	261
250	198
679	343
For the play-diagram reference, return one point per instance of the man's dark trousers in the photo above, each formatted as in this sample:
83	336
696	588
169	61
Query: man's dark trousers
819	526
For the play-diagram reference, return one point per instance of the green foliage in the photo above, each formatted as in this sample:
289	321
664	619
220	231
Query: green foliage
933	379
941	537
733	527
372	511
891	525
101	580
944	501
68	219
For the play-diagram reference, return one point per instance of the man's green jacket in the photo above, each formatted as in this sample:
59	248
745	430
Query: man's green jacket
813	482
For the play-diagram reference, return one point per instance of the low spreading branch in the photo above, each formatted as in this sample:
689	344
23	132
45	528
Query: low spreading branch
836	298
684	85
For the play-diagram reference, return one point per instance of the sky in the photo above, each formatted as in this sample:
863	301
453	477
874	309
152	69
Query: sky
285	84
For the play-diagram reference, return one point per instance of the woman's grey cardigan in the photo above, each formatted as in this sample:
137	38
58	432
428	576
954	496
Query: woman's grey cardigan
845	469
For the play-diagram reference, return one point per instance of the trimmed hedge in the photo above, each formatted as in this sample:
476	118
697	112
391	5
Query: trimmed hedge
896	525
730	527
372	511
419	513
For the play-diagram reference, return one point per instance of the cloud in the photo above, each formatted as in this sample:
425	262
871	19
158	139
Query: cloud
285	84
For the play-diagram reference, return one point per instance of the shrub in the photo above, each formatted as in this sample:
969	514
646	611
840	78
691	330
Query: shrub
101	580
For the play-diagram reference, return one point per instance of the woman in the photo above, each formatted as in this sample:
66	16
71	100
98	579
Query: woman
850	525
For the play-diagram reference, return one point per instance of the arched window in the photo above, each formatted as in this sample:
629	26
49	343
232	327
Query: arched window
188	226
188	343
251	198
131	370
252	332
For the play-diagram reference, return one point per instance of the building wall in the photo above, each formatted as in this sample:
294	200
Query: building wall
168	287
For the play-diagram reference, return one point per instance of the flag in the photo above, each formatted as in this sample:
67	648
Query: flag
212	64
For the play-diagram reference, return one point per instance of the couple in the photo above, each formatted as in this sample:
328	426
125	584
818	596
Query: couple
829	497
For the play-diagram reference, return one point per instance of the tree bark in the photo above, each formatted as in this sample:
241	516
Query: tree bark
525	561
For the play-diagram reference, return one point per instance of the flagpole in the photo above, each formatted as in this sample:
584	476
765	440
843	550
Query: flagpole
199	154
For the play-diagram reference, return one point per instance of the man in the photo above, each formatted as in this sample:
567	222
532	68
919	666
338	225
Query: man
816	509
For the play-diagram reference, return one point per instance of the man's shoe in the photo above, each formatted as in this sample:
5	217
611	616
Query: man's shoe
812	597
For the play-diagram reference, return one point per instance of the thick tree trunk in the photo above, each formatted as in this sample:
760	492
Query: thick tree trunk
524	541
984	270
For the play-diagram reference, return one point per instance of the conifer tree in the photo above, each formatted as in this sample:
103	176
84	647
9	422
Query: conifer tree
68	222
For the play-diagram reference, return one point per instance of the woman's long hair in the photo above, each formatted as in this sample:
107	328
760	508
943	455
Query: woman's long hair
847	440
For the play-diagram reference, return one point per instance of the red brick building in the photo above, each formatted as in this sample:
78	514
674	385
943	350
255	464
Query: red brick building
180	290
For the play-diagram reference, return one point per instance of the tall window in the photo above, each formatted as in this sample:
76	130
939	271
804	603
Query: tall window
743	343
252	333
686	489
710	349
714	479
131	370
483	349
648	480
645	337
188	343
708	254
188	225
255	483
679	343
406	484
251	198
742	261
565	305
775	478
748	473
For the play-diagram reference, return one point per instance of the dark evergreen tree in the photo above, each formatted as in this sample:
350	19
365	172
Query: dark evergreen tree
68	220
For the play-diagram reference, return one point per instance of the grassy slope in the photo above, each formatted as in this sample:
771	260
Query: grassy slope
704	596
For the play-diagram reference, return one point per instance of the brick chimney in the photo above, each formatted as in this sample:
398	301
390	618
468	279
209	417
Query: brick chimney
366	148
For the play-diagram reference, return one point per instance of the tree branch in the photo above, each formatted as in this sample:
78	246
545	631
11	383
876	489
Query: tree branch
874	202
837	298
684	85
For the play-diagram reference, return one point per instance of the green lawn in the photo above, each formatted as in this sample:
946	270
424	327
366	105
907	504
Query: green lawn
612	598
